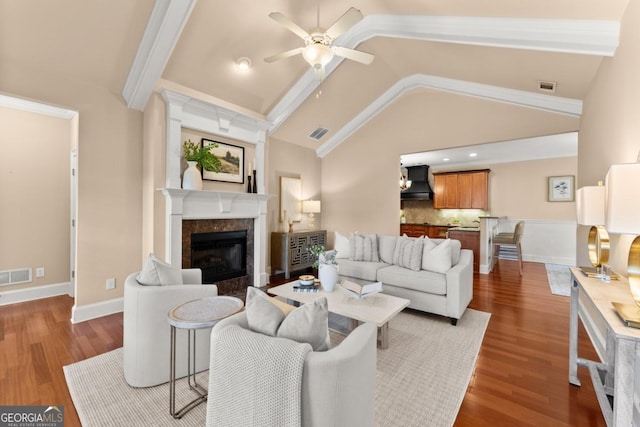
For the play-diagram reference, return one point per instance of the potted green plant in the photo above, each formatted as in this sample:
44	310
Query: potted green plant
196	156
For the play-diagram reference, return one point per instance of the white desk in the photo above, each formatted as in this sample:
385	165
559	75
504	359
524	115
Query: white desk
617	345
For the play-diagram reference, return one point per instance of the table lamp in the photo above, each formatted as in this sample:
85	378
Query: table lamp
590	209
311	207
622	217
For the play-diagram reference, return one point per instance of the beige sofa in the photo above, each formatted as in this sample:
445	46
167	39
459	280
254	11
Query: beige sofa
434	286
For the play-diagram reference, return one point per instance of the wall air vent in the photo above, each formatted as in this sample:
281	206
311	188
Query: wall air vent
12	277
318	133
546	86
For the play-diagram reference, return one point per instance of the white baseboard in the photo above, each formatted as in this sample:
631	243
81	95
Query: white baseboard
33	293
83	313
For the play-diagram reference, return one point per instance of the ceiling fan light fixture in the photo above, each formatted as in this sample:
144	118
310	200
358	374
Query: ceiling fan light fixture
317	55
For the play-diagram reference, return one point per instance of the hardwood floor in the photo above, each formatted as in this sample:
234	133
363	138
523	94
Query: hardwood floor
521	376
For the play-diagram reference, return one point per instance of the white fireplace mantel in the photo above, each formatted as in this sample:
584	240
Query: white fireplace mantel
189	204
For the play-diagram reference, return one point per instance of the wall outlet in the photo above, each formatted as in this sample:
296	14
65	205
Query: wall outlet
111	283
40	272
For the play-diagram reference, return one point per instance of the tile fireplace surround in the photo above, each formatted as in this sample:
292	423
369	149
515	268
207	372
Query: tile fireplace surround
211	205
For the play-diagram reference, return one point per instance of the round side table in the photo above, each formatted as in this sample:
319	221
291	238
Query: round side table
192	315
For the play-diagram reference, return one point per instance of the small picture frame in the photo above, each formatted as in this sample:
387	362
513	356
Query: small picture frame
232	159
561	188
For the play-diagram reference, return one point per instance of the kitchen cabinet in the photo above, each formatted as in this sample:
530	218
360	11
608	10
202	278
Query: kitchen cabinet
445	190
461	190
469	239
413	230
431	231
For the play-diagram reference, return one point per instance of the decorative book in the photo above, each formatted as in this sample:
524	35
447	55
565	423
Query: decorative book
359	290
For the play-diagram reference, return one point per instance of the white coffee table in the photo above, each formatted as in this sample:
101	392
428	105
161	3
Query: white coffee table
377	308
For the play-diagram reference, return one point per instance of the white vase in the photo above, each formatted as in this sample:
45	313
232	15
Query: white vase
328	275
191	178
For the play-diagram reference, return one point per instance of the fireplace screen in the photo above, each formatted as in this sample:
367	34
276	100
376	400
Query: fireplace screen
220	255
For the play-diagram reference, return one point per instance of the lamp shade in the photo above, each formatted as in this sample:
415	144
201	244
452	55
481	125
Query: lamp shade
311	206
622	190
590	205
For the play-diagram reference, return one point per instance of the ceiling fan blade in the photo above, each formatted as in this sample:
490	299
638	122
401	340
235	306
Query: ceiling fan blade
288	24
320	74
345	22
283	55
354	55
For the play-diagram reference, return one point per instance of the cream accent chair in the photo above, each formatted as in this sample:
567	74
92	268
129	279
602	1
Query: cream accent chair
509	239
338	385
147	340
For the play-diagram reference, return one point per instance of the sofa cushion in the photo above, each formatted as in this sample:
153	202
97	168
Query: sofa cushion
456	247
262	315
408	252
386	248
364	247
423	281
306	324
156	272
342	247
360	269
437	257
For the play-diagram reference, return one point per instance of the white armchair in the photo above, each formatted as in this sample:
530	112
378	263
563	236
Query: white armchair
338	385
146	339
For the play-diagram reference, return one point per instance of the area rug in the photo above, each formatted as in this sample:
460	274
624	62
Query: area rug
559	278
421	378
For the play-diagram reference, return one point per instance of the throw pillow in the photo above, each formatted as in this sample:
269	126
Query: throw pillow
262	315
410	253
364	247
456	246
437	257
306	324
386	248
341	245
156	272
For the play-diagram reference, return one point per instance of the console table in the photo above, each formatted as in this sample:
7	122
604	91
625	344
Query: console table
617	377
289	250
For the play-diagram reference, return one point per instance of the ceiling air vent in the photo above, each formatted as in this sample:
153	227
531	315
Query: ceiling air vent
546	86
318	133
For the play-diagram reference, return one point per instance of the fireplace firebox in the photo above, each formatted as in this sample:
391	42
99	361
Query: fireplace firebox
220	255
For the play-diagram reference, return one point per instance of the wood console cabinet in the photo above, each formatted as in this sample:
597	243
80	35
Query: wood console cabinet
469	240
461	190
289	250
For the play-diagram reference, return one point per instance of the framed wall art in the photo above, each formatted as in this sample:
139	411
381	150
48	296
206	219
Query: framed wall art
561	188
232	159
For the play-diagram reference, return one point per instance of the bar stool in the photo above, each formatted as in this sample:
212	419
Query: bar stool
509	239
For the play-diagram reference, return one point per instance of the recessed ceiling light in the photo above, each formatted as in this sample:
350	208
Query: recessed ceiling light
473	154
243	63
446	159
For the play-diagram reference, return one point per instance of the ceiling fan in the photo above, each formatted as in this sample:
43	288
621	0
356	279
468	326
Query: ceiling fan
319	49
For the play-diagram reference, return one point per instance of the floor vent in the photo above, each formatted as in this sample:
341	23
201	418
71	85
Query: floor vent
318	133
13	277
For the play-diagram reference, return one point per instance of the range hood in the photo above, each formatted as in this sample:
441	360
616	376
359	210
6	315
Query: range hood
420	189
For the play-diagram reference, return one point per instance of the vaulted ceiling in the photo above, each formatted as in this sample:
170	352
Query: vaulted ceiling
495	49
